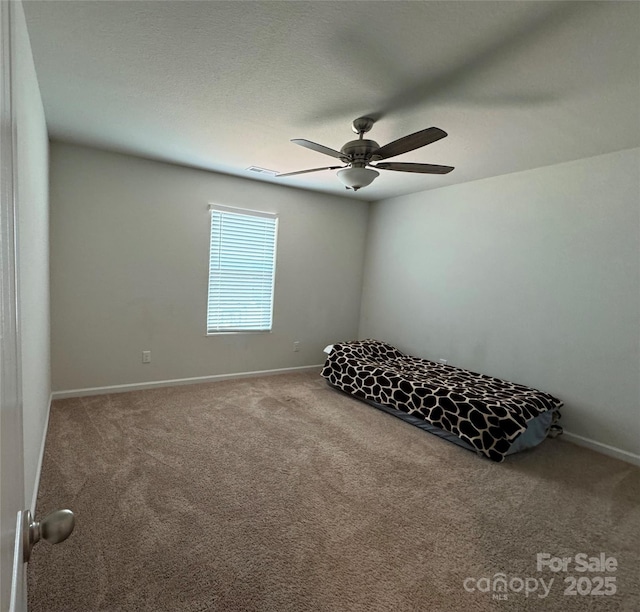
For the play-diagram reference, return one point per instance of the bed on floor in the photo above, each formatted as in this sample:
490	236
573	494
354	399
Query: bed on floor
490	416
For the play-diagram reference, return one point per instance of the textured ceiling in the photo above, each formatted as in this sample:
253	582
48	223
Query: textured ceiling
226	85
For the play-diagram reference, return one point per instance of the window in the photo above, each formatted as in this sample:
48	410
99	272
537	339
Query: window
242	262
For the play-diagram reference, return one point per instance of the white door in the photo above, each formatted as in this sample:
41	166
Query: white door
11	453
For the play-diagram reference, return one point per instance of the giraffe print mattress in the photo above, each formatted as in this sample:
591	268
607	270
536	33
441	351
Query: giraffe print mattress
486	413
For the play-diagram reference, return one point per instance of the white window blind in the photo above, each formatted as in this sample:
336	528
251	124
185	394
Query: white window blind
241	270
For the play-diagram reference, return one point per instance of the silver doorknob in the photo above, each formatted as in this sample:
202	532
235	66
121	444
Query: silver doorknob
54	528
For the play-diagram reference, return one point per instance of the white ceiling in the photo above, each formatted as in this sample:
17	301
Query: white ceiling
226	85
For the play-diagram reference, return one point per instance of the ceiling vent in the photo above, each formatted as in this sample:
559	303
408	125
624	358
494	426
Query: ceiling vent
259	170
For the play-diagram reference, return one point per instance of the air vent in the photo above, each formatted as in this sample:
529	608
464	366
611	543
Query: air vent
259	170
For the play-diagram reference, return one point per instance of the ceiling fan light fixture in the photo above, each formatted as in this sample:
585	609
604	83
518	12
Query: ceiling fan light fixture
355	178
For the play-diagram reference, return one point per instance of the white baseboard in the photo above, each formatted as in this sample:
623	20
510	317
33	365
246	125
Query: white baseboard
605	449
175	382
36	484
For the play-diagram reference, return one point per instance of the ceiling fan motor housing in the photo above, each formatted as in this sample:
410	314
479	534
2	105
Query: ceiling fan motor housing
359	150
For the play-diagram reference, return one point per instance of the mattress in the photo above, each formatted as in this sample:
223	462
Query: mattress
491	416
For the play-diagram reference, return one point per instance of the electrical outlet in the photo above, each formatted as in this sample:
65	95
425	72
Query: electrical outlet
443	361
296	346
146	356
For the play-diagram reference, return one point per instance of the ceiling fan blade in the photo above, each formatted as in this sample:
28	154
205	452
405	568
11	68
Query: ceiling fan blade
312	170
409	143
421	168
318	147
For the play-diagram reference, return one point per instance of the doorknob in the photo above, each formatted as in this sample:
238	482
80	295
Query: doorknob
54	528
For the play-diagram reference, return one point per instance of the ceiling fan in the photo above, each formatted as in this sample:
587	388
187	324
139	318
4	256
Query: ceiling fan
358	155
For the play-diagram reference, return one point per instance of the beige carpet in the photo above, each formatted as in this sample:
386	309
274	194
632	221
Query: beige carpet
281	494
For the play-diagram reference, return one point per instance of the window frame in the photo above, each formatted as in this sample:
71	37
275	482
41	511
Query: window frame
250	213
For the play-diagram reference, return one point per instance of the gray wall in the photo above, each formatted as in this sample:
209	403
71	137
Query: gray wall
532	277
32	148
129	269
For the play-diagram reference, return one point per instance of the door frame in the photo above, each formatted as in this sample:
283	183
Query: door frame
12	502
